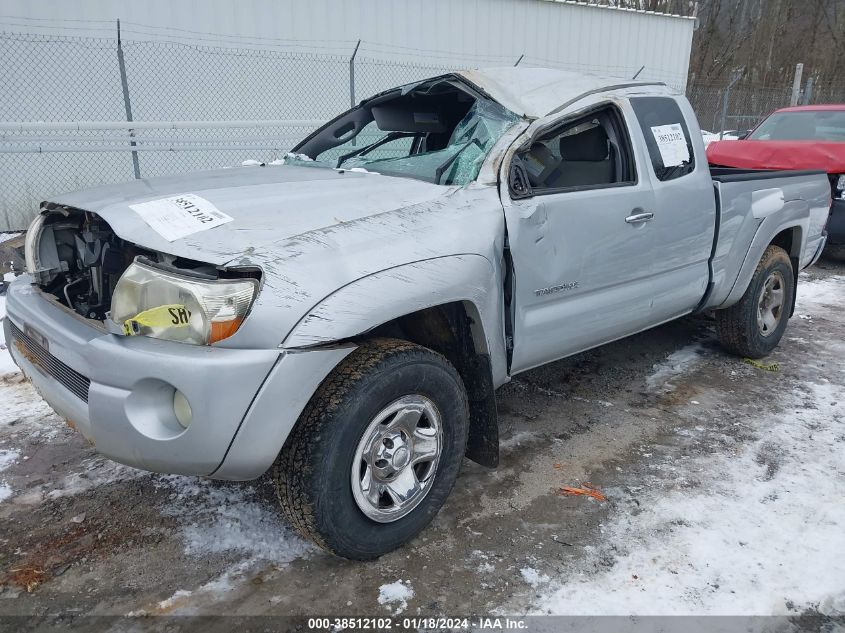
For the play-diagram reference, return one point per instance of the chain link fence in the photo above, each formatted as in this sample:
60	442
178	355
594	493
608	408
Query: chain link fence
204	107
244	103
744	105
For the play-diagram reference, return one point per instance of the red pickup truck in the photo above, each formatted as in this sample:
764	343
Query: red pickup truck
801	137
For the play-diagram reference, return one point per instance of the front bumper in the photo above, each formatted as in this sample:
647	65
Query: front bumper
836	223
118	391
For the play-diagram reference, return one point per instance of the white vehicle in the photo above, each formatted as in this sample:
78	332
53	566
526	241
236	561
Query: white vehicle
344	319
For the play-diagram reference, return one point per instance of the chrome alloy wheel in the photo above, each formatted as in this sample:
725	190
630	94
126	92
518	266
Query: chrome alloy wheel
770	303
396	459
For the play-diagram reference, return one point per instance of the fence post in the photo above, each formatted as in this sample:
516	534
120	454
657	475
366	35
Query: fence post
124	84
352	76
796	84
725	100
352	84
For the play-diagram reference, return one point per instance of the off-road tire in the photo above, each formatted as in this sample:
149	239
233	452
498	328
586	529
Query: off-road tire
312	471
736	326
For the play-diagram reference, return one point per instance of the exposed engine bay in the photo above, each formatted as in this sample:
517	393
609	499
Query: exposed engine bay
77	258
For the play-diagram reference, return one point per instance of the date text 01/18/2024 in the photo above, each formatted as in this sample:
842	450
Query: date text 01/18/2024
417	623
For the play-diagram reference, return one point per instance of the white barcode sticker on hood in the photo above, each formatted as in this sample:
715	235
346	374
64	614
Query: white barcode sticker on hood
179	216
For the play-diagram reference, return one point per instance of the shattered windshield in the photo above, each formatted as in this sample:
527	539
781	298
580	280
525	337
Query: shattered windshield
440	136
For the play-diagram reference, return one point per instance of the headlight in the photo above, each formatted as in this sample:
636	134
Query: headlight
840	185
33	236
152	302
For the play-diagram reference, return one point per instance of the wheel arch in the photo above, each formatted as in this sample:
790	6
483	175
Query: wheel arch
446	304
786	233
452	329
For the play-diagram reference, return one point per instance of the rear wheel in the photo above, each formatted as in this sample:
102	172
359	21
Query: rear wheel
376	451
754	325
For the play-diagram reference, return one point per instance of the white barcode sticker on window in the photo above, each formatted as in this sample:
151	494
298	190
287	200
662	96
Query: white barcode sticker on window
179	216
672	144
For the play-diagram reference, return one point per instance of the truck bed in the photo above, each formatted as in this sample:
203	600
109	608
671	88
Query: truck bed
755	205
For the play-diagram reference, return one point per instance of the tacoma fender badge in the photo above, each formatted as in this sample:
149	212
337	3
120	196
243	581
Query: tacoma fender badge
569	285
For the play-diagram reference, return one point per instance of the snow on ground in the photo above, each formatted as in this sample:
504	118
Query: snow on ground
174	600
395	594
194	602
676	364
750	540
23	411
819	293
533	577
230	519
761	533
516	440
219	518
7	458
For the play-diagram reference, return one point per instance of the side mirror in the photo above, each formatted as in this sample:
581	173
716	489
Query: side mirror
743	136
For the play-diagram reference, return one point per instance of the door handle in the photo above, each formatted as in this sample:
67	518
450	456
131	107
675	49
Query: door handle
639	217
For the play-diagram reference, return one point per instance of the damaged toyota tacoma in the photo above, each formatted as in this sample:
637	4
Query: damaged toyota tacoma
343	320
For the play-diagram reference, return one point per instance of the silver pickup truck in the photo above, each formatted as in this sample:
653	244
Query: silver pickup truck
344	319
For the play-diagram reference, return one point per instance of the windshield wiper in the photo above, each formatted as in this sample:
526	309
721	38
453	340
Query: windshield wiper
438	173
367	148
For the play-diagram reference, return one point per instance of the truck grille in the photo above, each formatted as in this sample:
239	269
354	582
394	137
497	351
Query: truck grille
75	382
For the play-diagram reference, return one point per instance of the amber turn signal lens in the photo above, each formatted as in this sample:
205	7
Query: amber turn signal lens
223	329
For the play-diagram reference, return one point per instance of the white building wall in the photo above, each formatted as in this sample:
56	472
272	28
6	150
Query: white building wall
432	32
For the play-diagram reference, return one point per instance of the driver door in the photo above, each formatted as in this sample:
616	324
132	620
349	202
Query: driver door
580	238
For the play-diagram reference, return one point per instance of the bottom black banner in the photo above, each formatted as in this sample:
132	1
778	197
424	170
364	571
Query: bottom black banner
810	622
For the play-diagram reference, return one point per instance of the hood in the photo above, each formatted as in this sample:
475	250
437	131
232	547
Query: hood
268	204
778	155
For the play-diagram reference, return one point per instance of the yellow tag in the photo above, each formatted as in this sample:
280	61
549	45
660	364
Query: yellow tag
167	316
763	366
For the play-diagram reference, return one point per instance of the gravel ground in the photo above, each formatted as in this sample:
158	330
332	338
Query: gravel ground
722	482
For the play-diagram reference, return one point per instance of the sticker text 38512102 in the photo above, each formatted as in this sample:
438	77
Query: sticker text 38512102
672	144
176	217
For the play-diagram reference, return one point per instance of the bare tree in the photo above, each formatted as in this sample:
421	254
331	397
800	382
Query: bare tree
761	39
765	39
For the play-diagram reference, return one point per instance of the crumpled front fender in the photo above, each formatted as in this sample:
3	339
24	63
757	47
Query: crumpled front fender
381	297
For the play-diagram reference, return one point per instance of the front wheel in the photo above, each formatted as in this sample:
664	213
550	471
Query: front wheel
755	324
376	451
